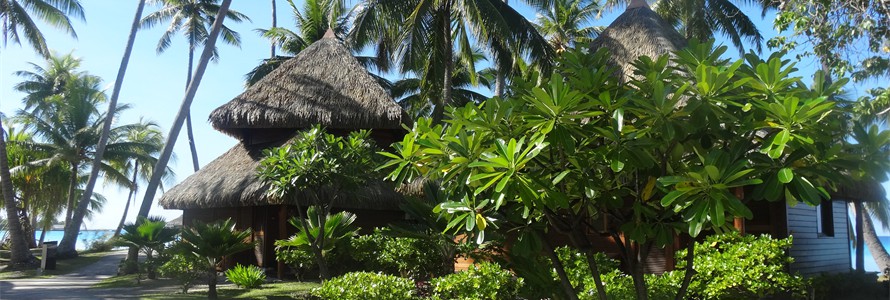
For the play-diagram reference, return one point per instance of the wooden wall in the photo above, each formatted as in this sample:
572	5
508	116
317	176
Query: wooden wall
814	254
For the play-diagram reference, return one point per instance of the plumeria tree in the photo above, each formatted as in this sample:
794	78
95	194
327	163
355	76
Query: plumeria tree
669	153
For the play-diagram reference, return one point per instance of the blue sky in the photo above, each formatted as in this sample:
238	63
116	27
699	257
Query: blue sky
154	83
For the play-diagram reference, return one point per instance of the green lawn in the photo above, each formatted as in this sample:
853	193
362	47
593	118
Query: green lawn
62	267
278	290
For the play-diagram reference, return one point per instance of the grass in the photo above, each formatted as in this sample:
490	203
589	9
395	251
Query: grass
278	290
63	266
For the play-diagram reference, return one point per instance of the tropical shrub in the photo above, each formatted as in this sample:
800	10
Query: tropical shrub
102	244
306	243
366	285
732	266
246	276
212	242
183	267
407	257
149	235
482	281
853	285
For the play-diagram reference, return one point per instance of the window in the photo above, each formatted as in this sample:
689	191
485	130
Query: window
825	219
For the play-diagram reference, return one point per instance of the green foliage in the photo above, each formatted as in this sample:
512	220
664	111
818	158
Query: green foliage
102	244
297	251
149	235
482	281
731	266
301	261
185	268
212	242
366	285
246	277
852	285
407	257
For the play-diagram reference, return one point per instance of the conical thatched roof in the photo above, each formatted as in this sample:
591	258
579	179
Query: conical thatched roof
637	32
324	84
231	181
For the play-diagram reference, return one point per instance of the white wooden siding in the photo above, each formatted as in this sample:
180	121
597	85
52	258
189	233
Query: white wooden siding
814	254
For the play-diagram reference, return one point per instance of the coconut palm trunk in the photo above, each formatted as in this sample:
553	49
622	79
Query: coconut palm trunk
133	189
274	24
72	225
878	252
860	241
161	165
20	257
188	114
448	51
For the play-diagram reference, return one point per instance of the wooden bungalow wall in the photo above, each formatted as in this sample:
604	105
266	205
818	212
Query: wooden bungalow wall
814	254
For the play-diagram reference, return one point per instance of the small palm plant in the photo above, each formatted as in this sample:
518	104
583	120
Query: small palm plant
214	241
337	227
149	235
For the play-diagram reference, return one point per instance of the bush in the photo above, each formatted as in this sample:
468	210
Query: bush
366	285
184	268
853	285
732	266
246	276
406	257
298	260
102	244
482	281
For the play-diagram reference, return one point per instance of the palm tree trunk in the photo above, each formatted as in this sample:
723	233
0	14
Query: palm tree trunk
120	225
72	187
860	251
878	252
43	233
188	114
164	158
211	279
500	83
274	24
69	240
20	257
27	222
447	53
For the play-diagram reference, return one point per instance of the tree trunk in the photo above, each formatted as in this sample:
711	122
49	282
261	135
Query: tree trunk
637	270
274	24
164	158
690	270
860	251
564	281
447	53
69	240
499	83
188	114
120	225
27	222
20	257
72	187
211	278
580	240
43	233
878	252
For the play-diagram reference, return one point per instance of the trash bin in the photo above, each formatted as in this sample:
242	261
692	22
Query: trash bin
48	261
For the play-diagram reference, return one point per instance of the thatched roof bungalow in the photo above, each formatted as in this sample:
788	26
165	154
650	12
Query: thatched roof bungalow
325	85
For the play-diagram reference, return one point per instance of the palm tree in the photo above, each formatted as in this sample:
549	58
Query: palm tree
564	23
20	257
213	242
415	94
149	235
192	18
421	37
141	168
701	19
44	82
167	152
312	21
15	16
81	208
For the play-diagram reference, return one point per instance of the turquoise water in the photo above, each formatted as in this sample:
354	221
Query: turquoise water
83	239
870	265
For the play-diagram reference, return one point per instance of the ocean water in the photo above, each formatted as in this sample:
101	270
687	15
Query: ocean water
83	239
870	265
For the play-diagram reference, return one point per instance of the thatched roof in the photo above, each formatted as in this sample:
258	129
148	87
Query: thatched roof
324	84
637	32
231	181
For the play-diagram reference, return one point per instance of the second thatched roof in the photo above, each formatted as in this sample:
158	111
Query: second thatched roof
638	31
231	181
324	84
